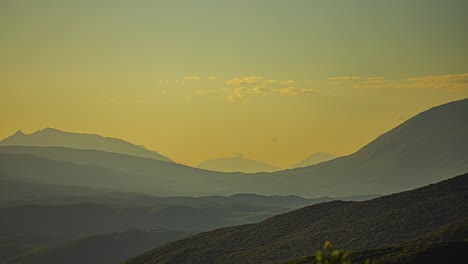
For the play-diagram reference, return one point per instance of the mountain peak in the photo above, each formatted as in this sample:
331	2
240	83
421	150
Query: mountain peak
52	137
50	130
18	133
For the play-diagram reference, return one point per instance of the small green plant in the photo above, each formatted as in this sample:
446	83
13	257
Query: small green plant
330	255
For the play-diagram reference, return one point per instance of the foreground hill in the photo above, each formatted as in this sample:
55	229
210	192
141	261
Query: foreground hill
313	159
55	137
237	164
447	244
351	225
101	249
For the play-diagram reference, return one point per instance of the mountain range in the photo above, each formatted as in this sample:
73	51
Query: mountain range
48	137
64	195
427	148
237	164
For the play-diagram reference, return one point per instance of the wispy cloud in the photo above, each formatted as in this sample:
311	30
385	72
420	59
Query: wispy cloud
293	91
192	78
443	82
212	78
235	94
250	80
246	81
163	81
452	82
356	78
289	82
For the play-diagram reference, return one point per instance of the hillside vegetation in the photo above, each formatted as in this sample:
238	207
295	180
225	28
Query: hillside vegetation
352	226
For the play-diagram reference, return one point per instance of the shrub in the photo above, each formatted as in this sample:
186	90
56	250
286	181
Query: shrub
330	255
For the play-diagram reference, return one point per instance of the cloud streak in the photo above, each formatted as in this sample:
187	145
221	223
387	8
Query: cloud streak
293	91
452	82
249	80
192	78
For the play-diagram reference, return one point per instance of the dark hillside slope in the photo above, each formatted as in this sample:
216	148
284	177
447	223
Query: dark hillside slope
447	244
351	225
101	249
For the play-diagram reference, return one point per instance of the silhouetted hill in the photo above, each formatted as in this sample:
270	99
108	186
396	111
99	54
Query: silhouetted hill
54	137
101	249
146	175
313	159
427	148
237	164
14	193
351	226
92	218
31	168
287	201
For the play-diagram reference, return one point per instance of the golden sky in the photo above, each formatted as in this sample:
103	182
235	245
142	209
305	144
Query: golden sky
272	80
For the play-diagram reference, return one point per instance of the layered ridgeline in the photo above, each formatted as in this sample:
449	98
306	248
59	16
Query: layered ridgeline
44	223
15	193
92	168
427	148
313	159
99	249
53	137
237	164
352	226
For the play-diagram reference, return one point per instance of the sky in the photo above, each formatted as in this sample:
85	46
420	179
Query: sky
269	80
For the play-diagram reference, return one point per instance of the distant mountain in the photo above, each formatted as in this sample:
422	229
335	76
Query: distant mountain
91	218
53	137
350	225
313	159
287	201
58	165
30	168
237	164
427	148
100	249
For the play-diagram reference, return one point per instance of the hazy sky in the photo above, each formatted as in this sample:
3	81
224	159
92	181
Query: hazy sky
273	80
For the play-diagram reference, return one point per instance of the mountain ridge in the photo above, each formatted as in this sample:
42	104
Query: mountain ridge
237	164
54	137
313	159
